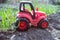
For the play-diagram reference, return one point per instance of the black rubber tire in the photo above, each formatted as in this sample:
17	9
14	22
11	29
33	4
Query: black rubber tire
40	24
22	19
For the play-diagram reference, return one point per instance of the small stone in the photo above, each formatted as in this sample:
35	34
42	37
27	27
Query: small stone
12	37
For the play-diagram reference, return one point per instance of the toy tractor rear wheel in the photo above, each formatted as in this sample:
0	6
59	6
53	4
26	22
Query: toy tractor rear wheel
23	24
43	24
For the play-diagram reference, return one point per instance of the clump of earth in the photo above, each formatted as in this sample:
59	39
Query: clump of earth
51	33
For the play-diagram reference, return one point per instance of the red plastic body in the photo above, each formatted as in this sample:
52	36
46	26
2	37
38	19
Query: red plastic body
38	17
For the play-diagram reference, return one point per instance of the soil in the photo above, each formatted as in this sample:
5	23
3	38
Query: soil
31	34
36	33
54	20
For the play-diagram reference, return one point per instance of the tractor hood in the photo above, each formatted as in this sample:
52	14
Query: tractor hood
40	13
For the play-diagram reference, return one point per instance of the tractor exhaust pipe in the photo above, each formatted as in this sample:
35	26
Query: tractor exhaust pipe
36	8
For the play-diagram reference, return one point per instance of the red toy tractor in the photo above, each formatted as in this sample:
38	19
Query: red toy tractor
26	18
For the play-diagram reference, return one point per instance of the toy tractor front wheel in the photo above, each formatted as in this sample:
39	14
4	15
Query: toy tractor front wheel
43	24
22	24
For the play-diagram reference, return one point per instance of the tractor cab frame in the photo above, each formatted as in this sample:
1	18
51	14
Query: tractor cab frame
22	8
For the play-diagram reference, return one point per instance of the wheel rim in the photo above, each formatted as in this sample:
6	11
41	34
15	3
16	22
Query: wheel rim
22	25
44	24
